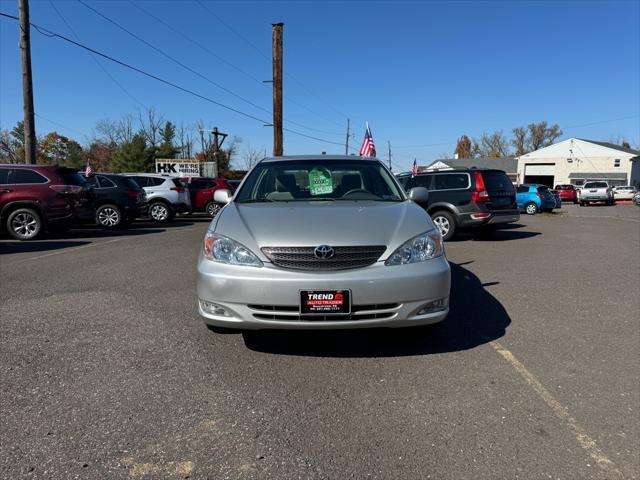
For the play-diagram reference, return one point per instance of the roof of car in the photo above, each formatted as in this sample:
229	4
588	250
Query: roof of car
316	158
142	174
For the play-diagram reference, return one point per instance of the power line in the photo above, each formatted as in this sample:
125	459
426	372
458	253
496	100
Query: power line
186	67
59	124
48	33
602	121
173	59
129	94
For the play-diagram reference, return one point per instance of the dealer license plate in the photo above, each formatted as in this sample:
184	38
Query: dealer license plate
325	302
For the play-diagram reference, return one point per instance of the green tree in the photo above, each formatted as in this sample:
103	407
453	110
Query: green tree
56	149
133	156
167	148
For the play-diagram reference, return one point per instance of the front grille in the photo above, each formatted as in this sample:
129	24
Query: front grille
303	258
290	313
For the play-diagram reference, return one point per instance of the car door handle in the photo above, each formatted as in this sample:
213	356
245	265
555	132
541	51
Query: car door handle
6	190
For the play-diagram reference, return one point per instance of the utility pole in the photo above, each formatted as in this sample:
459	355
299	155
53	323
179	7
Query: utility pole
27	85
216	145
277	89
389	144
346	145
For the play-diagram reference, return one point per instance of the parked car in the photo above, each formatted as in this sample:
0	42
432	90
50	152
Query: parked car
534	198
234	184
118	199
166	195
567	192
624	192
465	198
34	198
322	242
201	190
596	192
556	198
636	199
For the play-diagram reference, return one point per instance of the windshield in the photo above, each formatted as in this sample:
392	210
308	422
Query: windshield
314	180
595	185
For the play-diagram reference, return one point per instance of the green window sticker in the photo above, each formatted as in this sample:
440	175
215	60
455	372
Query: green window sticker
320	181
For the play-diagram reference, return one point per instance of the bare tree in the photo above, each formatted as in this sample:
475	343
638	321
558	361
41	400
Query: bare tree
519	140
205	140
540	135
150	125
186	139
494	144
251	156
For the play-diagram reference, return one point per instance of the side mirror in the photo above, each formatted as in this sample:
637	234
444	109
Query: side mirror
420	195
222	196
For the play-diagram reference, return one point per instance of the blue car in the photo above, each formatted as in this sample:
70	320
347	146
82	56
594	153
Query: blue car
534	198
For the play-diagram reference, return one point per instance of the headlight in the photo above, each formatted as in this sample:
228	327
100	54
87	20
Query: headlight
424	247
219	248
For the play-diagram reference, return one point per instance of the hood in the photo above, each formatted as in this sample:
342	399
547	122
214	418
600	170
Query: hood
304	224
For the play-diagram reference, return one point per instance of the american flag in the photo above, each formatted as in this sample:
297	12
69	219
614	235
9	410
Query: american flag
368	149
414	169
88	171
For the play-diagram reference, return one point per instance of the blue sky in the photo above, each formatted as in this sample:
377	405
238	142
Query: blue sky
422	73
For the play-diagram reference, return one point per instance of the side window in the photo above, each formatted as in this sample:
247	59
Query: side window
141	181
155	181
522	189
420	181
104	182
92	180
4	175
23	175
449	181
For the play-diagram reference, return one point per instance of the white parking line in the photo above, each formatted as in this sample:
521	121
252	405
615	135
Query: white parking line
583	438
607	216
60	252
94	244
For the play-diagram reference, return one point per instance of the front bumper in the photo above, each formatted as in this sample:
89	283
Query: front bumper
395	294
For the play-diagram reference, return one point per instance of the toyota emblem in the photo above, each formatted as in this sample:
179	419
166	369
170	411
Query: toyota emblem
324	252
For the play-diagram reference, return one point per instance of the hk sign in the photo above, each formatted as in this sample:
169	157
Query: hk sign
178	168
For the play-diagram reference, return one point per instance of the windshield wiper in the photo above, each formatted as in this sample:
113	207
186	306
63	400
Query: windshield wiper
320	199
258	200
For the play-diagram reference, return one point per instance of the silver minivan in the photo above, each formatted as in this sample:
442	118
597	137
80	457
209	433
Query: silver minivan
322	242
166	195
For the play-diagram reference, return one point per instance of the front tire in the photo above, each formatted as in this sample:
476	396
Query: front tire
531	208
445	223
108	216
160	212
24	224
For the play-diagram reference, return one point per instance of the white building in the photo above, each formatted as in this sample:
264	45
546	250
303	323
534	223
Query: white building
576	160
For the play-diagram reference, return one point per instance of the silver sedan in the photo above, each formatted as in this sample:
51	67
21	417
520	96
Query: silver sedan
322	242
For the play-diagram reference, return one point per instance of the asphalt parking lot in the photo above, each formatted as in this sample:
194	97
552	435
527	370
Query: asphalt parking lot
108	372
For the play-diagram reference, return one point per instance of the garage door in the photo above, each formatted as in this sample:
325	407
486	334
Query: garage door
538	169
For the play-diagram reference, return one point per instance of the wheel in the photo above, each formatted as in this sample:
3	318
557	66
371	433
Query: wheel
445	222
108	216
24	224
212	209
160	212
531	208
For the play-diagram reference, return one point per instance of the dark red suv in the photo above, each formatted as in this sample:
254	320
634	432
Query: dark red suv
37	197
201	191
